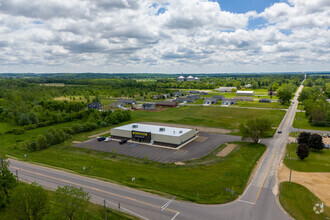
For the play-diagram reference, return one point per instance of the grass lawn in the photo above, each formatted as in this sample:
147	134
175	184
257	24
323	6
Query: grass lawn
317	161
209	176
219	117
304	124
256	103
299	202
6	126
94	211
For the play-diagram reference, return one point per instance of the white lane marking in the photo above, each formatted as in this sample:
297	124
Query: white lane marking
175	215
167	204
121	207
252	203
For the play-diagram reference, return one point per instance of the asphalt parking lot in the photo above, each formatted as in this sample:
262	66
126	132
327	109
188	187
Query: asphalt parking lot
204	144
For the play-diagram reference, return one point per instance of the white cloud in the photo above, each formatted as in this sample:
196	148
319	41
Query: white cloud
188	36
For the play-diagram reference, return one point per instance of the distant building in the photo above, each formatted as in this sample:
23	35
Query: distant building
184	100
229	101
226	89
209	101
166	104
180	78
178	93
247	86
148	106
122	102
194	97
94	105
203	93
167	95
194	92
244	98
218	97
265	100
245	93
197	79
190	78
158	97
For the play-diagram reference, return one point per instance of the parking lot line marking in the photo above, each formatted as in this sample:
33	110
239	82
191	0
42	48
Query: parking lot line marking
93	188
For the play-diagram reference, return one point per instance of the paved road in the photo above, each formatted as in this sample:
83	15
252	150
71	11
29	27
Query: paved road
311	131
259	201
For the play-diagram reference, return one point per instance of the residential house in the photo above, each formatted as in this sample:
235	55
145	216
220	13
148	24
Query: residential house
209	101
94	105
148	106
178	93
264	100
218	97
166	104
229	101
244	98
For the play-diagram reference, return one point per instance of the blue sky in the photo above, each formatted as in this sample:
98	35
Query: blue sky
167	36
242	6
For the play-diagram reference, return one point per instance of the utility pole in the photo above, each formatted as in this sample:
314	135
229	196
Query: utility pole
105	210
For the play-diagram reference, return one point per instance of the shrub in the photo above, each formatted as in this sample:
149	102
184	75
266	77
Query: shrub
18	131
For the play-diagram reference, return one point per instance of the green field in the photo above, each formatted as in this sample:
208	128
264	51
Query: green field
93	211
299	202
302	122
317	161
218	117
256	103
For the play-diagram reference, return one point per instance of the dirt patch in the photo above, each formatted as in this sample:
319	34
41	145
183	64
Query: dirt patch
291	139
316	182
199	128
224	152
76	142
179	163
100	134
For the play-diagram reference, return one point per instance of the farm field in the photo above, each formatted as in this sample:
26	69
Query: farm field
219	117
299	202
302	122
317	161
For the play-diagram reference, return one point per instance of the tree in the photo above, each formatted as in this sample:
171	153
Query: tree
284	93
255	128
41	142
71	201
304	137
7	180
302	151
29	201
315	142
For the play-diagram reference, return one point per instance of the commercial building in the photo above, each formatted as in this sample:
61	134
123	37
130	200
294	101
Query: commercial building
162	135
245	93
180	78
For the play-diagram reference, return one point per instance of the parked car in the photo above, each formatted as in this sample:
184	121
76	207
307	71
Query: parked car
279	131
326	146
108	139
122	141
101	139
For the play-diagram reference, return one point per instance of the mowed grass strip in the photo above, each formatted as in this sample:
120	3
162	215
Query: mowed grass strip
218	117
317	161
209	176
299	202
301	121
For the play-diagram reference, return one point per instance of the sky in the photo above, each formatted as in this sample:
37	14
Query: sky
164	36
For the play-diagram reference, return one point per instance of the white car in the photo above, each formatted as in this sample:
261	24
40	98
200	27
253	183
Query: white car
107	139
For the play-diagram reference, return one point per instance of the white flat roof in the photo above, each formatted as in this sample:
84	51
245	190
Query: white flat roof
155	129
245	91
